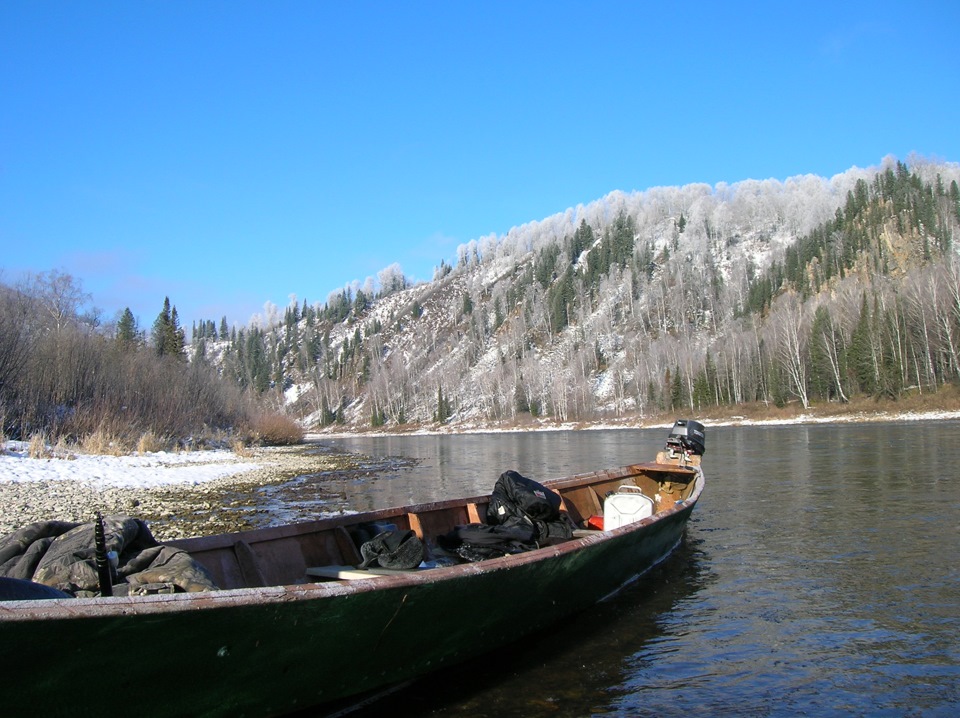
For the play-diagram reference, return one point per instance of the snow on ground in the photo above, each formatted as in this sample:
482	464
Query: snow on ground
136	471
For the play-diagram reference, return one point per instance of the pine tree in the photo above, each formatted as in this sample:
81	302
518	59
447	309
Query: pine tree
560	299
583	240
676	390
701	391
127	333
176	338
444	410
860	355
821	372
200	351
257	361
161	327
168	337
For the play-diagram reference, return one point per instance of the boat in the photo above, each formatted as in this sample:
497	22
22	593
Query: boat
296	622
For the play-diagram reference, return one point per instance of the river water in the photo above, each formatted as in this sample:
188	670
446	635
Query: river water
819	575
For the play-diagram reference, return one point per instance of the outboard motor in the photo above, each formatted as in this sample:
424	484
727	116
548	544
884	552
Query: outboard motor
689	436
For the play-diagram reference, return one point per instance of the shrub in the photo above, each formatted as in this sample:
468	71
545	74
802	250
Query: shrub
276	430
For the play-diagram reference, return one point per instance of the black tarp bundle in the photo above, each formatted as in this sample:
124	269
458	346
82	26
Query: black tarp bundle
63	555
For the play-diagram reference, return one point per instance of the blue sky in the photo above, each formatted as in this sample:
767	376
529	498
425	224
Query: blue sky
226	154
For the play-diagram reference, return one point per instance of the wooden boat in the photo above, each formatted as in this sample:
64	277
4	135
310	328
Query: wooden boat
296	625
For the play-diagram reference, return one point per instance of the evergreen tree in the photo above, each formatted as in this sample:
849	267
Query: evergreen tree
583	240
176	338
378	417
676	390
168	337
701	390
821	371
444	409
860	355
361	303
200	351
257	362
127	333
161	327
890	380
560	299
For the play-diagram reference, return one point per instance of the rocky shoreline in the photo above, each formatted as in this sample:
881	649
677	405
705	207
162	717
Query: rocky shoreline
231	503
274	492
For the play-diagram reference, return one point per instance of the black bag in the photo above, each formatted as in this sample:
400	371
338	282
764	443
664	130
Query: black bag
514	495
398	550
551	532
475	542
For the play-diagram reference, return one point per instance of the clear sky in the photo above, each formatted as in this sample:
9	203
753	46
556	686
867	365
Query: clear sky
226	154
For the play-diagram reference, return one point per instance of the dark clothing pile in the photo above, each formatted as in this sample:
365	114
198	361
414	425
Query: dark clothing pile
62	555
522	515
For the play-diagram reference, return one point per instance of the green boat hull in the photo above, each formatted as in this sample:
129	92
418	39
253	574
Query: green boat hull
255	652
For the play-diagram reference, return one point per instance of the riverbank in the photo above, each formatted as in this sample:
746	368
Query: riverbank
208	492
178	494
745	415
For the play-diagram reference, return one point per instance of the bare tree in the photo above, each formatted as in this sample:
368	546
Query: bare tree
60	295
14	339
789	330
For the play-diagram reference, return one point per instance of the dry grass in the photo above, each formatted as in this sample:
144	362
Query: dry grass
103	442
38	447
63	450
149	443
239	447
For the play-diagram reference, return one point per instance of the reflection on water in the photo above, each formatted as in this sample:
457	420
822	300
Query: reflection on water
469	464
820	574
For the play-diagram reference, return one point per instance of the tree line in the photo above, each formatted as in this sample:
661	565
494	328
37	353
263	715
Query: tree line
64	376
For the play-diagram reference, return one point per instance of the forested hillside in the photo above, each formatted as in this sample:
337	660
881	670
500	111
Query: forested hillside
675	299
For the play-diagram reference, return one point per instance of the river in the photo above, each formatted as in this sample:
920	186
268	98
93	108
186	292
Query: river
819	575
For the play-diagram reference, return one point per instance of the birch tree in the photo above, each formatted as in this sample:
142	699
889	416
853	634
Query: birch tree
789	329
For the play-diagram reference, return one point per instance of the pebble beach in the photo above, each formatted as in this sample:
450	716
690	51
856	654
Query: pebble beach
179	494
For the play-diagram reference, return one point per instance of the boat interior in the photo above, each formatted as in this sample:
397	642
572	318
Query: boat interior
330	549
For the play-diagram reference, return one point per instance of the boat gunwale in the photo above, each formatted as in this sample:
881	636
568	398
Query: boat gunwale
96	607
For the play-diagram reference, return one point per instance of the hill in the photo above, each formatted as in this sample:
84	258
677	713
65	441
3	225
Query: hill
674	299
